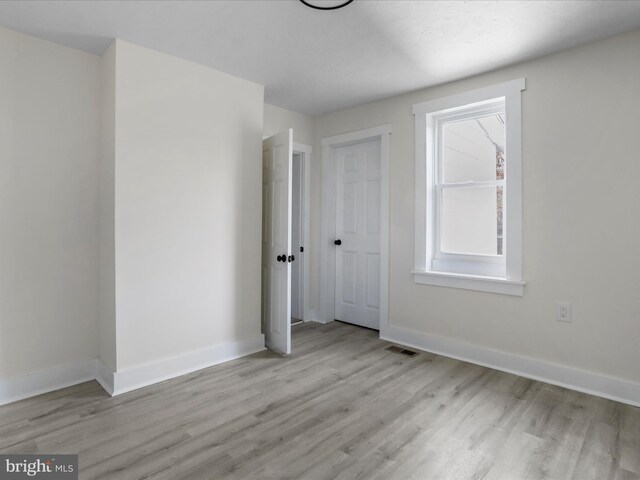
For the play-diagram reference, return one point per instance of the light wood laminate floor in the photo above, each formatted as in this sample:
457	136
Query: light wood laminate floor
340	407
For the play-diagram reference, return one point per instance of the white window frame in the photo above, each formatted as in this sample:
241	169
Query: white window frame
496	274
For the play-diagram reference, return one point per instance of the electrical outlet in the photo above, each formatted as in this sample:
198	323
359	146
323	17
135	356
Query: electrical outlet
563	312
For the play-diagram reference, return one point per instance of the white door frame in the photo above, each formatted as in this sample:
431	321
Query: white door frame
328	219
305	152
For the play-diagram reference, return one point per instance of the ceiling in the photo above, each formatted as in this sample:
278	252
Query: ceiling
316	62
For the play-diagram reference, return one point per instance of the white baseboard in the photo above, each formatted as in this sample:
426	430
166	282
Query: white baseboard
18	388
315	316
587	382
317	320
144	375
116	383
104	376
312	315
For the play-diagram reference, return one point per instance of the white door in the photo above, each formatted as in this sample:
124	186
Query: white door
357	242
277	154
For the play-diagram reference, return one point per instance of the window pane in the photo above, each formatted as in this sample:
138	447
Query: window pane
471	220
473	149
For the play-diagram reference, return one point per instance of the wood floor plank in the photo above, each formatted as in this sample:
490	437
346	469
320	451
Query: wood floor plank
341	407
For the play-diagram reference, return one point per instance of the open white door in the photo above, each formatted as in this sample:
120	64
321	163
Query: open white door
277	152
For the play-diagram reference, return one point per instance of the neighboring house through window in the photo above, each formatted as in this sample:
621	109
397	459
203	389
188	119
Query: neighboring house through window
469	190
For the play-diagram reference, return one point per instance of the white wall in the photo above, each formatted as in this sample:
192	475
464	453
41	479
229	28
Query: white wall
130	216
277	119
107	261
581	230
187	207
49	131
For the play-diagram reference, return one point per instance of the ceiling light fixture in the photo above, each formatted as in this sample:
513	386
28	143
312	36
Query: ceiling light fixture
315	5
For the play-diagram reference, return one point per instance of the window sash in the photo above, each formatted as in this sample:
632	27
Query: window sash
438	253
440	258
495	106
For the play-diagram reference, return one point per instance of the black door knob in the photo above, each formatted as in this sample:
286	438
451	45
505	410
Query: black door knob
281	258
291	258
337	242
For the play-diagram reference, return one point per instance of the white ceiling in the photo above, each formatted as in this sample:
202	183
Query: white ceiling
315	61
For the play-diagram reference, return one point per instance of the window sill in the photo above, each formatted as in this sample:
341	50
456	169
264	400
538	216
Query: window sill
470	282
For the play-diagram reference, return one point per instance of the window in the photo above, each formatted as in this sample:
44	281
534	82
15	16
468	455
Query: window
468	190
